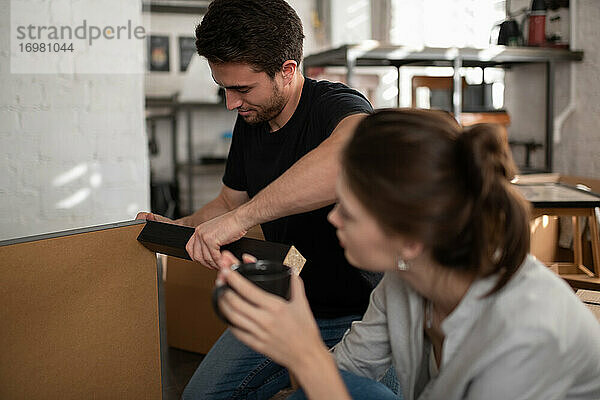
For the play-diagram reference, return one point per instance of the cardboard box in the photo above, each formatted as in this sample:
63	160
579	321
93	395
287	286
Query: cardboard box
192	324
80	316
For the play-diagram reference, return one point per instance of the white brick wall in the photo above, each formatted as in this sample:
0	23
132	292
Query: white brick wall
579	151
73	149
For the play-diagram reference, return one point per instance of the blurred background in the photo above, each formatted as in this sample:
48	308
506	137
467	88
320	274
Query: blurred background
95	135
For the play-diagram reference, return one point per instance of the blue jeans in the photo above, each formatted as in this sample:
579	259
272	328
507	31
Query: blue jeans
231	370
360	388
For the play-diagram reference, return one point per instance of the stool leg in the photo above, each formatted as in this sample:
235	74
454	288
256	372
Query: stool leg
593	222
578	249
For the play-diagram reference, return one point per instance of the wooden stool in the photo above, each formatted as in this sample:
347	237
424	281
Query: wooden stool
557	199
577	265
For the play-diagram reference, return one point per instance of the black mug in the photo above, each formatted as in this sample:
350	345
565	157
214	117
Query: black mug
271	276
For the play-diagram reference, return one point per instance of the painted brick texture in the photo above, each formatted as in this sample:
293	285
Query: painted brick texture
73	149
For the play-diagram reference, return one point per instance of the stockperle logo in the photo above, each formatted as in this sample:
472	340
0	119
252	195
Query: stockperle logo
77	36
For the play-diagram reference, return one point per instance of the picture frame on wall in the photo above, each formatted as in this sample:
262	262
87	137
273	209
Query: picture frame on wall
187	50
158	53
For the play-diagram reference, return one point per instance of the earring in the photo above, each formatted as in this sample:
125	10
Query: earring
402	265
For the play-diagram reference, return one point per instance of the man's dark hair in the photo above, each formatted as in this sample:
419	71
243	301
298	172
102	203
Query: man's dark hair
261	33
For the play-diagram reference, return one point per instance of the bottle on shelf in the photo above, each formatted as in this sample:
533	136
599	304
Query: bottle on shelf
537	24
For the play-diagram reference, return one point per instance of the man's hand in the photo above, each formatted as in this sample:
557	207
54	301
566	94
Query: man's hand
204	245
154	217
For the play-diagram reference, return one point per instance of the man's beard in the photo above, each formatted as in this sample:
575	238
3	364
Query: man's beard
265	113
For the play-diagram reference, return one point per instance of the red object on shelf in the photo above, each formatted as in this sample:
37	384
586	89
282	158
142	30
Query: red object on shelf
537	24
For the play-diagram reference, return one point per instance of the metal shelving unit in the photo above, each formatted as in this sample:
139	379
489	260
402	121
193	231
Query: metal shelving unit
173	107
372	54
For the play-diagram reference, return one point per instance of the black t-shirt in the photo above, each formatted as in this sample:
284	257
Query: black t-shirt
257	157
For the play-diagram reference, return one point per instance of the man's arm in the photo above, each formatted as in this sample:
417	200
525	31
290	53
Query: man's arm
307	185
227	200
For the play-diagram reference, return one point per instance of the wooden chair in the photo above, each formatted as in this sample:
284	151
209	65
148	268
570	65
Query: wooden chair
466	118
433	83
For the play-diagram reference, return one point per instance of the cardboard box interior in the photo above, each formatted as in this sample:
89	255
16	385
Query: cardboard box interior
192	324
80	316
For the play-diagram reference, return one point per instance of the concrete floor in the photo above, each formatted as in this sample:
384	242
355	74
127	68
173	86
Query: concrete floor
178	368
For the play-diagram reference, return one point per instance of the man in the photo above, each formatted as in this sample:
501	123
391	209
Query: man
280	173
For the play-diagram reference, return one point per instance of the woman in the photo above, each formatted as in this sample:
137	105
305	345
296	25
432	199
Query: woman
462	311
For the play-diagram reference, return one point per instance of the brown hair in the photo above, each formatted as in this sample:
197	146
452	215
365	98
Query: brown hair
261	33
421	175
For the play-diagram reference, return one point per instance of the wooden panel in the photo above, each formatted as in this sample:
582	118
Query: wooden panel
80	317
501	118
432	82
192	324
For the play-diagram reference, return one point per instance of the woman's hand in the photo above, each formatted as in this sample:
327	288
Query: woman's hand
284	331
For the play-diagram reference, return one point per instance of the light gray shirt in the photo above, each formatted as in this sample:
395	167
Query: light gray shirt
534	339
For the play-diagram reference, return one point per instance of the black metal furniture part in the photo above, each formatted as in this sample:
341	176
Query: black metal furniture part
171	239
173	107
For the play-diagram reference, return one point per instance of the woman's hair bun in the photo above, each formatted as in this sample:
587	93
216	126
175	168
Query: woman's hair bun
483	148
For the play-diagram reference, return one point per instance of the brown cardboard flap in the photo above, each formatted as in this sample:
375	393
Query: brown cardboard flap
80	317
